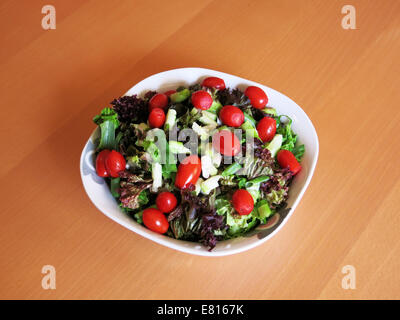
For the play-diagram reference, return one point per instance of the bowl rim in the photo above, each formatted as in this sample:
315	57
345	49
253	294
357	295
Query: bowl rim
179	244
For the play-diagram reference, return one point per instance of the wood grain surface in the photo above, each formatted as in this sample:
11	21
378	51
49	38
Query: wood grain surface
53	81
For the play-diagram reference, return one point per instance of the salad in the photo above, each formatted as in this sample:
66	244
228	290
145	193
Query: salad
201	163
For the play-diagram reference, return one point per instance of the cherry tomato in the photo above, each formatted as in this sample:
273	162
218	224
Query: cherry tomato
155	220
169	92
226	143
115	163
101	163
159	100
166	202
231	116
242	202
156	118
286	159
188	172
257	96
202	100
213	82
266	129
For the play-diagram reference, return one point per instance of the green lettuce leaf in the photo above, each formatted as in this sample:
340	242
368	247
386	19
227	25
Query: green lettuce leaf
298	152
143	197
187	225
255	167
289	137
285	129
108	122
239	225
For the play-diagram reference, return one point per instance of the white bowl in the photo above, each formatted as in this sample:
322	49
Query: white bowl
100	195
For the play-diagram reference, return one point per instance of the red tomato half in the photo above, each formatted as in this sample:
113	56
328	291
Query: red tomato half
155	220
231	116
159	100
213	82
286	159
101	163
226	143
169	92
202	100
188	172
257	96
242	202
115	163
166	202
266	129
156	118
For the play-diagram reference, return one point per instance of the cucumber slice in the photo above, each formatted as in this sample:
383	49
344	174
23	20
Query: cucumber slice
156	173
210	184
180	96
170	119
198	186
207	167
275	144
178	147
208	118
263	209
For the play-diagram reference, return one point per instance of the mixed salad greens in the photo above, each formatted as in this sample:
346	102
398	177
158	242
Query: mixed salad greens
200	163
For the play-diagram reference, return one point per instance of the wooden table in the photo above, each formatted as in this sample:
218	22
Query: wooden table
53	81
